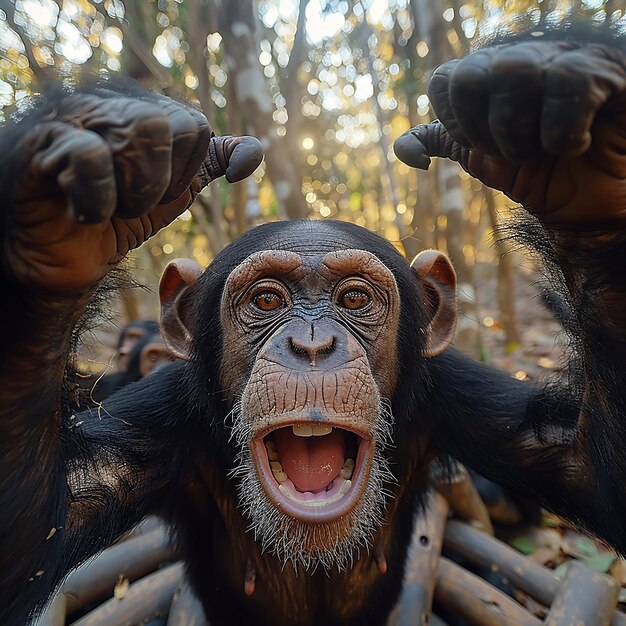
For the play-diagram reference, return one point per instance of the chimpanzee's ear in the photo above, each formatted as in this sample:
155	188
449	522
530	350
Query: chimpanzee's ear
438	276
177	277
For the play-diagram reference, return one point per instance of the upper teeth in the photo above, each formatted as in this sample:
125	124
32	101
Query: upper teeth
314	430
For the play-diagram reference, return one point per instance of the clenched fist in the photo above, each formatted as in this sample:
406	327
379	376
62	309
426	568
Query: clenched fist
542	119
96	173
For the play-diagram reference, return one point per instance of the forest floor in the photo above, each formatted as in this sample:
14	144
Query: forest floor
542	343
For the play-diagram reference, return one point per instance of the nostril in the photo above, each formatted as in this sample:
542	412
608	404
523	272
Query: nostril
328	348
297	348
312	349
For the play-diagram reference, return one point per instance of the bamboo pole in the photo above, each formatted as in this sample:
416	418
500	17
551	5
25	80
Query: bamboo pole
480	549
476	601
131	559
186	609
422	563
585	598
464	499
55	613
146	598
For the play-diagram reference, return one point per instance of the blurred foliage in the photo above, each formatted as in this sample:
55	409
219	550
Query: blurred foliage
344	82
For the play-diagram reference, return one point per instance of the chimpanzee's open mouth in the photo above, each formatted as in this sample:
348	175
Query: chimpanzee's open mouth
313	471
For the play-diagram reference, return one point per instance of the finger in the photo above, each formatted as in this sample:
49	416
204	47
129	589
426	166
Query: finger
142	151
82	164
469	99
426	140
578	83
191	133
516	81
438	94
232	156
245	154
140	139
410	150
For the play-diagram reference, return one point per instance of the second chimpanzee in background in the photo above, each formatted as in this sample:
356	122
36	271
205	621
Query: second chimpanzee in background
317	381
129	336
140	351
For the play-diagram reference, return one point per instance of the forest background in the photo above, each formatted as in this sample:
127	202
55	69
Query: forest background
327	85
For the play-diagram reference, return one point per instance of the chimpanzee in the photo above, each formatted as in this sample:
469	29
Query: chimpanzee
129	336
289	447
147	354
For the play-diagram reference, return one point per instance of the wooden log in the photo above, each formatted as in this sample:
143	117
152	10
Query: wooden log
463	498
585	598
131	559
149	597
422	564
55	613
147	525
476	601
186	609
480	549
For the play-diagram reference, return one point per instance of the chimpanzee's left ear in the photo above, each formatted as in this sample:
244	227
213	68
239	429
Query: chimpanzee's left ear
437	274
177	277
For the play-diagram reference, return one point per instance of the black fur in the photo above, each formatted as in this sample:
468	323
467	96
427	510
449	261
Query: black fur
162	445
171	432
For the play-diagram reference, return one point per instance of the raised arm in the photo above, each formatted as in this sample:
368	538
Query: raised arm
85	177
543	118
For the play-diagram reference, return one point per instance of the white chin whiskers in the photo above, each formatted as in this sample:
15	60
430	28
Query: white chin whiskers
333	544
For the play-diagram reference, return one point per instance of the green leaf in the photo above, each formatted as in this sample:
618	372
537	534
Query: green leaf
525	545
599	562
511	347
586	547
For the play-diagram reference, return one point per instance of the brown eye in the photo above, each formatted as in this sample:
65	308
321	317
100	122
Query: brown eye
353	299
268	301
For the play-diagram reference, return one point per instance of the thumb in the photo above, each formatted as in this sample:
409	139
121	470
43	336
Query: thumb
416	146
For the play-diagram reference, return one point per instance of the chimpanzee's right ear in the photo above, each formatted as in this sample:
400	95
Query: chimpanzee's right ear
177	277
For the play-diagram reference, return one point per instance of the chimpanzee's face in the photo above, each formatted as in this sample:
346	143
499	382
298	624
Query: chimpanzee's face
307	348
311	356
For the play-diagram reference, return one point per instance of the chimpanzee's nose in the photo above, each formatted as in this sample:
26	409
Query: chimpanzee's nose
317	341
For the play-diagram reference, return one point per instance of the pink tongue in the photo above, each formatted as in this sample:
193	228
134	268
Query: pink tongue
310	462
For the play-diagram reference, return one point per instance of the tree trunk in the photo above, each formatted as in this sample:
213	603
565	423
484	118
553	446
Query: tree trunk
209	205
423	197
197	27
238	30
387	178
292	90
137	58
506	290
197	210
238	191
452	203
427	15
